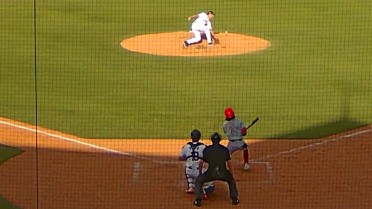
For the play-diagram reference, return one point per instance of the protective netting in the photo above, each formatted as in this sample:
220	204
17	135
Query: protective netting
99	97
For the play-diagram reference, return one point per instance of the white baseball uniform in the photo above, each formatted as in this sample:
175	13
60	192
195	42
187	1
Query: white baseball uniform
202	24
193	152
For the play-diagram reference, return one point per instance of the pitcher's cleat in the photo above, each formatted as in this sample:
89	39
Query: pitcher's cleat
185	44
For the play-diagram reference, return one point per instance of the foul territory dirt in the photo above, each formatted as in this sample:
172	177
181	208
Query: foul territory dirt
170	44
57	170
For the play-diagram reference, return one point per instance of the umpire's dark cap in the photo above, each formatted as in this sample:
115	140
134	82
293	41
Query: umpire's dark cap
195	134
216	138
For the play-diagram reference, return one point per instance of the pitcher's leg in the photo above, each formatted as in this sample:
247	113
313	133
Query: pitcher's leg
195	39
209	37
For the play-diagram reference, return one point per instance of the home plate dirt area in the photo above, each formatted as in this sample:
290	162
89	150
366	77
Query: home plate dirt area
58	170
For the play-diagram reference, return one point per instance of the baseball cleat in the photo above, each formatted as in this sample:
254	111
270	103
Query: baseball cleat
197	202
185	44
235	201
205	197
246	166
190	190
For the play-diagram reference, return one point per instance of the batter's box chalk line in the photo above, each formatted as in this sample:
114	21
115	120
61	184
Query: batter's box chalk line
268	176
136	172
314	145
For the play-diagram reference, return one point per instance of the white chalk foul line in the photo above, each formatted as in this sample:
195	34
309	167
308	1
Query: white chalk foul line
269	168
64	138
269	171
104	149
298	149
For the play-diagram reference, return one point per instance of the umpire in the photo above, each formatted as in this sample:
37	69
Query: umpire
219	168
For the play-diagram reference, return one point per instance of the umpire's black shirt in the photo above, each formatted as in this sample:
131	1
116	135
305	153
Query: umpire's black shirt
216	156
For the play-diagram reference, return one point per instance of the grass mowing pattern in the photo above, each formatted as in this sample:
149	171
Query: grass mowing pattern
317	69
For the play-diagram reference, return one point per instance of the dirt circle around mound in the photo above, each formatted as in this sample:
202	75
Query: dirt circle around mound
170	44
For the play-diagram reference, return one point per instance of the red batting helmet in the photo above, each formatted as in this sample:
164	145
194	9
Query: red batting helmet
229	113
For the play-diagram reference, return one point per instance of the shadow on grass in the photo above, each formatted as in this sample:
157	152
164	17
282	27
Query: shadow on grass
7	152
323	130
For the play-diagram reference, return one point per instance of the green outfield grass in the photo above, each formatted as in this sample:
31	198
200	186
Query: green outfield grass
5	154
316	73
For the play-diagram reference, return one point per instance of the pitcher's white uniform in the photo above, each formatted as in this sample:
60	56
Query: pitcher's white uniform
201	25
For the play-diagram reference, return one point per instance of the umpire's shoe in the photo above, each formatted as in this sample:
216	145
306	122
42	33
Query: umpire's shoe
197	202
235	201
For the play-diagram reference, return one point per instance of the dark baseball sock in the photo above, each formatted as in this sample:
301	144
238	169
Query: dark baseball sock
246	156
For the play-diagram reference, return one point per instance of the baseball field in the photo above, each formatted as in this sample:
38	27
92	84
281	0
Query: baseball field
98	98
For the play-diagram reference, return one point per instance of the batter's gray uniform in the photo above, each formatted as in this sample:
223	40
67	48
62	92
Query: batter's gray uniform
233	130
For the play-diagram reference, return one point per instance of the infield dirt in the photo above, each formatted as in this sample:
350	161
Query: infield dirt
63	171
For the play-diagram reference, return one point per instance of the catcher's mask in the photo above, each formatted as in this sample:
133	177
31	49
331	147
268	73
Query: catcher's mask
195	135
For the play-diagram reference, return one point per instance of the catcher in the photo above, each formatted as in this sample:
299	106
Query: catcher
192	152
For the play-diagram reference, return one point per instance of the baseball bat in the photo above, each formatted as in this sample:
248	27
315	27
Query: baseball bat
253	122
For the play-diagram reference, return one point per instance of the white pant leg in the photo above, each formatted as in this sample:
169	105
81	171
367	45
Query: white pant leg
209	36
191	174
196	38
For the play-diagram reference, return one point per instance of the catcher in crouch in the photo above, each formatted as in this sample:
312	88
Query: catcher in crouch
202	29
192	152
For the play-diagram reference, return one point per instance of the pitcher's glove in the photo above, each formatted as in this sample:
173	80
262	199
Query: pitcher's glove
216	40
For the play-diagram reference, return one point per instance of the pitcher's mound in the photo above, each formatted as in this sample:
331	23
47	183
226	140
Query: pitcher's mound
170	44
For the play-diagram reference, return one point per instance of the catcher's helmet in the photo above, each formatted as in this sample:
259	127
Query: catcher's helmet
229	113
195	135
216	138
